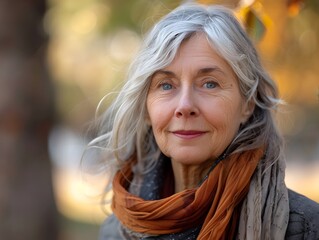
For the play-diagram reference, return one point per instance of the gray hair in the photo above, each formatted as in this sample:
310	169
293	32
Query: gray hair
125	132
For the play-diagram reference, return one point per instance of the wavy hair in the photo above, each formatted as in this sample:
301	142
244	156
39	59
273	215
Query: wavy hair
123	129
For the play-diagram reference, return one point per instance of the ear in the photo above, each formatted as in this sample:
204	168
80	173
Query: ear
247	110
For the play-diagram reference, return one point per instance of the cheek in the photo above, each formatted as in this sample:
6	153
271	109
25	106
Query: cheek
157	115
225	116
159	128
159	118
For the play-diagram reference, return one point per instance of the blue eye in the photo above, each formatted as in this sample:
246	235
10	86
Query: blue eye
166	86
210	85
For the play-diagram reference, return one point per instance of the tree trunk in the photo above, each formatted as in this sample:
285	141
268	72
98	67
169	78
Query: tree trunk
27	208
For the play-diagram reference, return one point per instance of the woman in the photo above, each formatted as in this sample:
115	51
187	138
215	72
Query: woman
192	143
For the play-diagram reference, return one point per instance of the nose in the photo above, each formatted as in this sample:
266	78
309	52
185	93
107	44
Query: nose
186	106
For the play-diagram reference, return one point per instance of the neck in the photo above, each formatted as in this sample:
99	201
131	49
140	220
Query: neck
188	176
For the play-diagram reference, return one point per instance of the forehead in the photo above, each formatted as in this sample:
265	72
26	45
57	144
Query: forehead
196	53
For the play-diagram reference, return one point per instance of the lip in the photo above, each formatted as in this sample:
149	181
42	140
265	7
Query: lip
188	134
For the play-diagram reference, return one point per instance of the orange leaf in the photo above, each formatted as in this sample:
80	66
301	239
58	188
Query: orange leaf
294	7
254	19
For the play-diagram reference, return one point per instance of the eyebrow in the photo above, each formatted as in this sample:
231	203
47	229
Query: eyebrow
164	72
201	71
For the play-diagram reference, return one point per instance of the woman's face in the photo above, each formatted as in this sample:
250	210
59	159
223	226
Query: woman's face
194	105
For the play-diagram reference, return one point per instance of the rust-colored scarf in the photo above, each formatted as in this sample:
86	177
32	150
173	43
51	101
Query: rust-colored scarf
215	204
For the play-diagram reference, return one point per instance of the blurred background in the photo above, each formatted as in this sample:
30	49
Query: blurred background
58	58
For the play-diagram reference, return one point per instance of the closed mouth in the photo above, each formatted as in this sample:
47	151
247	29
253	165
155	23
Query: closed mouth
188	134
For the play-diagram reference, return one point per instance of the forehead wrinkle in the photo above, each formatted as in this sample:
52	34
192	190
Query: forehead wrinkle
207	70
164	72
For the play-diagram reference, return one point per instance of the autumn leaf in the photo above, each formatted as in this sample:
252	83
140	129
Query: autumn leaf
294	7
254	19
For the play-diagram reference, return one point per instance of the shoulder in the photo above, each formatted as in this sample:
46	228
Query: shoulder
303	217
110	229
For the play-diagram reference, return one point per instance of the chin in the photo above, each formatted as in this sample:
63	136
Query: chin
190	159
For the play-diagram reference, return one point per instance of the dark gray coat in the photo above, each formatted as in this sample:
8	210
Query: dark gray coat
303	220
